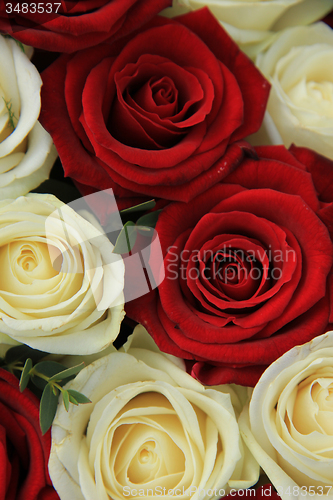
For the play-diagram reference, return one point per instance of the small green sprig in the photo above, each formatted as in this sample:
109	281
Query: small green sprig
47	376
11	114
127	236
51	376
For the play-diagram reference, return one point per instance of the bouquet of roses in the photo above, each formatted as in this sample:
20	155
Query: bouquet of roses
166	249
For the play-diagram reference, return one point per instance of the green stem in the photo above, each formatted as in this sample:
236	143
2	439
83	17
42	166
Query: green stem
47	379
12	366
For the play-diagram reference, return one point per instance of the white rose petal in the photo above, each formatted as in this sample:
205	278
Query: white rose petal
62	287
289	423
253	24
27	152
151	428
299	66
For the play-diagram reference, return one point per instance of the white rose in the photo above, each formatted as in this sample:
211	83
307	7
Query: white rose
290	426
27	152
61	285
253	23
151	431
300	107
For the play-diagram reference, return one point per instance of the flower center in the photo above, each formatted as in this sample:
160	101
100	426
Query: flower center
27	259
313	409
147	453
25	263
145	464
236	273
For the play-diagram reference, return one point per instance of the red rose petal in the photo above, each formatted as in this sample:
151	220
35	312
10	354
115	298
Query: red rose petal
321	170
29	450
109	20
272	174
71	149
254	87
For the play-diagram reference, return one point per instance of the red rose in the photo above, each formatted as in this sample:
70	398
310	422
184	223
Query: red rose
154	115
24	452
75	25
247	267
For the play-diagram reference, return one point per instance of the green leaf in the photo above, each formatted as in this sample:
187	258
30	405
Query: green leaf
48	408
143	207
149	219
38	382
65	397
22	352
78	396
73	400
25	375
67	373
126	239
47	368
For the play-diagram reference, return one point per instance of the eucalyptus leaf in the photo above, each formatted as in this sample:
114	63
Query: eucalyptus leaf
38	382
65	396
126	239
73	400
22	352
48	408
142	207
25	375
47	368
67	373
79	397
146	231
149	219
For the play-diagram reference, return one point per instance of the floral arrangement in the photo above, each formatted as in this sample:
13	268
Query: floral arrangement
166	249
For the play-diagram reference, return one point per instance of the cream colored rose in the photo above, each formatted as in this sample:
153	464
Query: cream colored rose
27	152
253	23
151	431
61	285
289	426
299	66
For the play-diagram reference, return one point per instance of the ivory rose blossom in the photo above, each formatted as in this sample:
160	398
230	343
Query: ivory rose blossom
290	428
300	107
27	152
252	24
61	286
151	429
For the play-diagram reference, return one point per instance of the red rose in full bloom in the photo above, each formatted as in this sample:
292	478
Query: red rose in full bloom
154	115
247	267
24	452
75	25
